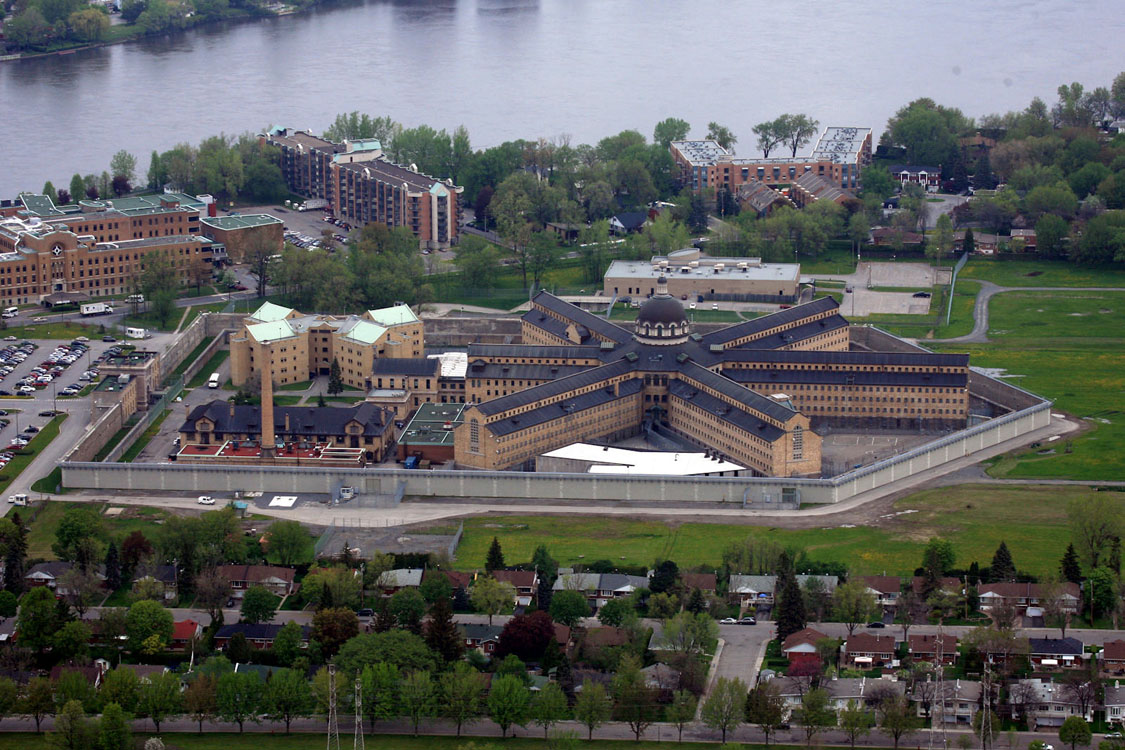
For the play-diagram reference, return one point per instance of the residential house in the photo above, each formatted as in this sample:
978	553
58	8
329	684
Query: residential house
705	582
661	677
562	636
1114	702
758	591
984	243
928	177
811	187
393	581
628	222
526	583
49	574
951	701
886	237
867	651
481	637
457	579
258	635
864	691
93	673
1113	657
275	578
145	671
933	649
800	647
946	583
1055	653
600	588
760	198
183	633
587	583
1027	237
165	575
1026	598
596	639
1046	704
885	589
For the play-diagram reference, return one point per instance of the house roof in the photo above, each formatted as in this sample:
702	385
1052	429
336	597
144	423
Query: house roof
701	581
185	630
1012	590
760	196
861	687
166	574
882	584
255	573
742	584
518	578
576	582
955	689
49	570
869	643
803	636
928	644
1114	694
632	219
480	631
1055	646
767	322
401	578
607	636
144	671
275	330
308	421
262	631
918	583
456	578
1114	650
91	673
621	582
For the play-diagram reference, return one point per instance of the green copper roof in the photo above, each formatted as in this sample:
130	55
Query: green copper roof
264	333
270	312
364	332
393	316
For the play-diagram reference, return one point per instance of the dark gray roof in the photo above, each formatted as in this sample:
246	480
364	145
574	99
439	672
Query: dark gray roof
1064	646
481	369
739	418
849	377
579	316
913	169
303	420
632	219
548	323
797	333
480	631
257	631
527	396
866	359
561	351
663	309
740	394
162	573
550	412
406	366
766	322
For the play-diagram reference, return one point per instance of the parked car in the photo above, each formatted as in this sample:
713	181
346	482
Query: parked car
206	500
47	413
31	428
922	295
728	621
748	621
109	339
876	625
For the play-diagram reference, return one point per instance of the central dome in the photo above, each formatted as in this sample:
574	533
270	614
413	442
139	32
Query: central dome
661	319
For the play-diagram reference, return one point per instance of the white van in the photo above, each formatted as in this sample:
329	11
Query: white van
137	333
213	381
138	298
11	312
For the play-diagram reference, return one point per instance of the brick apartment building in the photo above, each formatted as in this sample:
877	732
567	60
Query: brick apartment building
362	186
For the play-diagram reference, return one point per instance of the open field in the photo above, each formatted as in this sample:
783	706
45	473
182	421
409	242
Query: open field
932	325
41	533
625	313
1032	520
1040	273
57	330
1069	347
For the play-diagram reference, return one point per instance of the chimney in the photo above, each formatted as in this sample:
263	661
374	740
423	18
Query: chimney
231	403
286	422
269	440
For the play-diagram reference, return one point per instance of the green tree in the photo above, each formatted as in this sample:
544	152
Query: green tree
258	605
332	587
509	702
38	619
670	129
72	730
121	686
478	261
408	607
765	707
1069	567
877	181
27	29
855	721
797	130
287	697
442	634
1050	235
238	697
618	612
8	604
145	619
435	587
790	604
1002	569
380	691
287	644
768	136
49	191
942	243
681	711
200	700
416	697
852	604
77	528
72	641
72	685
815	715
491	597
1074	732
38	700
290	542
969	244
459	695
690	633
332	627
549	707
239	650
495	558
721	135
123	164
335	384
568	607
593	706
1094	524
725	707
158	697
404	650
897	718
9	696
114	732
634	701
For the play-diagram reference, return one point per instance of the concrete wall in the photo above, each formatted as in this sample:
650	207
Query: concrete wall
98	434
205	356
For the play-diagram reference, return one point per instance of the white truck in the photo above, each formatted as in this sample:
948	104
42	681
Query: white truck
137	333
95	308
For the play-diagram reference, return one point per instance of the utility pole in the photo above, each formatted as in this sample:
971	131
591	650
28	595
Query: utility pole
357	743
333	719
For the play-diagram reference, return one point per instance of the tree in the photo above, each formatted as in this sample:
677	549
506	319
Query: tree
526	636
38	700
495	558
416	694
634	701
721	135
509	702
335	587
765	707
1050	235
943	239
768	136
159	697
408	607
618	612
123	164
145	619
593	707
78	527
49	191
38	619
380	691
681	711
690	634
898	718
1094	523
287	697
797	130
72	685
491	597
441	633
114	732
569	607
287	644
27	29
855	721
790	605
289	541
725	708
664	577
459	695
670	129
14	557
238	697
852	604
814	715
258	254
332	627
406	651
549	707
258	605
1074	732
72	641
335	384
436	587
122	687
211	592
1069	567
112	568
72	730
9	696
1002	569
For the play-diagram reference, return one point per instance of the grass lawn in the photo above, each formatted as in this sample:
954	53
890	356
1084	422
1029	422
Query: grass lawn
837	259
1045	339
1032	521
113	441
146	437
302	386
149	320
315	741
191	357
195	310
41	533
41	440
57	330
922	326
1040	273
212	365
50	483
508	290
702	315
286	400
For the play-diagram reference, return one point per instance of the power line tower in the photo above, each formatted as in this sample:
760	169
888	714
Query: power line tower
333	719
986	709
357	744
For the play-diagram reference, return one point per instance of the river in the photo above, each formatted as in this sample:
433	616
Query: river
528	68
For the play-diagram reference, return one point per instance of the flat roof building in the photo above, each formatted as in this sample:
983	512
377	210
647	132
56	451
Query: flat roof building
692	275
